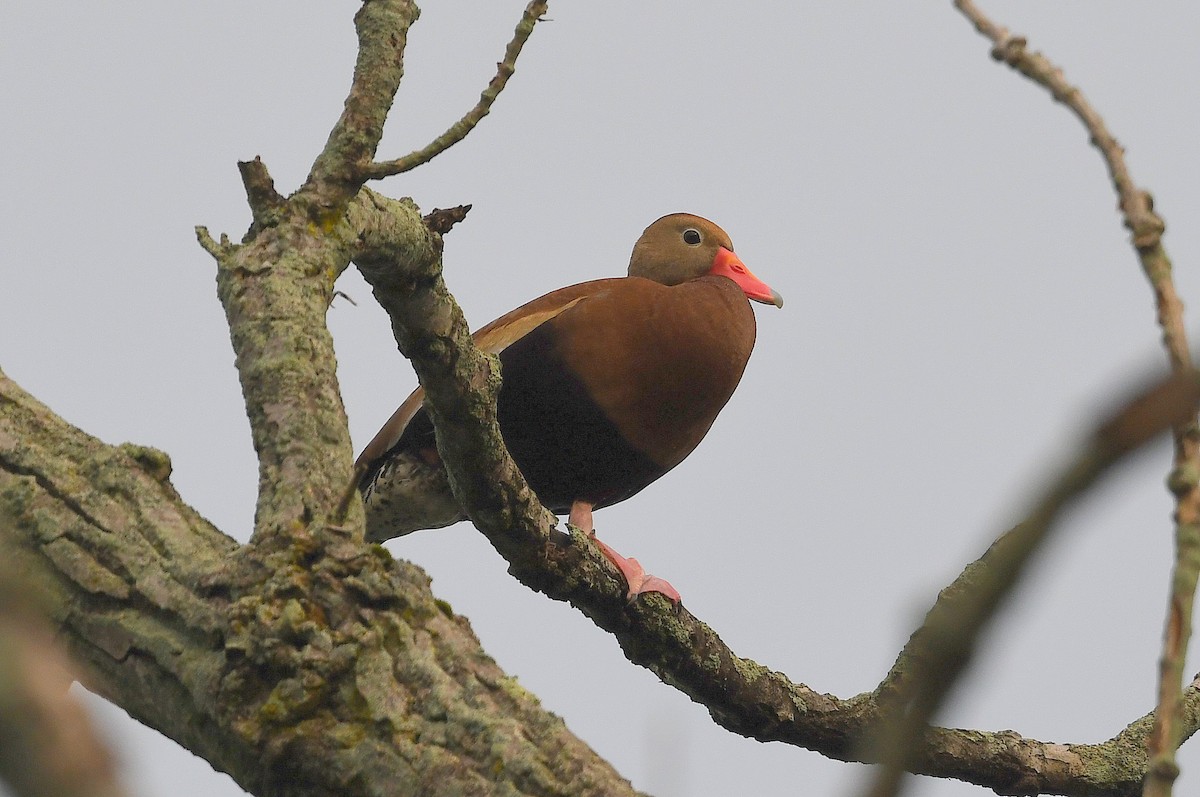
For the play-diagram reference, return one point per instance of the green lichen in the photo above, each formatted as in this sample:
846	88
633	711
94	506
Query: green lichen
154	462
292	699
513	689
749	670
1183	478
82	568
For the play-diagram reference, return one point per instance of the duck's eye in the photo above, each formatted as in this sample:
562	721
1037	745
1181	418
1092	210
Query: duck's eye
691	237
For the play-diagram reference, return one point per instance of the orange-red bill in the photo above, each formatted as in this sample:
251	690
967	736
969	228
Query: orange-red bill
727	264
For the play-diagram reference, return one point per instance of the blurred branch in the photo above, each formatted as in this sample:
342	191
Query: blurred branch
938	653
460	129
1146	227
48	747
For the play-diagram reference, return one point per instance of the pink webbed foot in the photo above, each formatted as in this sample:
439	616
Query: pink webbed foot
636	577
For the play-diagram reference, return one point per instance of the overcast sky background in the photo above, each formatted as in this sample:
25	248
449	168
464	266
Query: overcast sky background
961	302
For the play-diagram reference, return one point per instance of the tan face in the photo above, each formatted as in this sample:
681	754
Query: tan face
677	248
682	247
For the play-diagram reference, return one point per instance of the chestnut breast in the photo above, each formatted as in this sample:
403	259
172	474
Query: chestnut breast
606	396
659	361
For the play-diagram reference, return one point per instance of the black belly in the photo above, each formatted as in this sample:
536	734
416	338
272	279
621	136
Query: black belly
563	443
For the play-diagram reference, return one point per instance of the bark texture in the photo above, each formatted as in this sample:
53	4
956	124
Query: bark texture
319	667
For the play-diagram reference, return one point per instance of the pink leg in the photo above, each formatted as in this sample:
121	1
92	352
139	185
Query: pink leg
636	577
581	517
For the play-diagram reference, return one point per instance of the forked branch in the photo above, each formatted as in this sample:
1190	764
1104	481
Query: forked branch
459	130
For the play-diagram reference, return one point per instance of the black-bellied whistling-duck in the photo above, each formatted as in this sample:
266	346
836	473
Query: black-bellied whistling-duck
607	385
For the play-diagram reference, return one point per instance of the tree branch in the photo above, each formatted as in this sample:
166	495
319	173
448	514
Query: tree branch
276	288
340	170
460	129
741	695
1137	209
304	663
319	668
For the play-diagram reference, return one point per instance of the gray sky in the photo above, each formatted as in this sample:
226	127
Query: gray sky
961	300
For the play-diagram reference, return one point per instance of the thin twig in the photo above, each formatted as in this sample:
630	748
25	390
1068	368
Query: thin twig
1146	227
215	248
459	130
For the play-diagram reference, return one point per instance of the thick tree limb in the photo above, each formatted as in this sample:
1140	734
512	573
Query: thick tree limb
318	668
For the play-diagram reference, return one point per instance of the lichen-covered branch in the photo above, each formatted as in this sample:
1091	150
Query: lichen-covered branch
276	285
1146	227
318	668
743	696
276	289
340	170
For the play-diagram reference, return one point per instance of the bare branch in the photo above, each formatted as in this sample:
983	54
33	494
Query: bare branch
1137	208
215	248
460	129
276	289
442	220
265	202
277	285
1136	205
